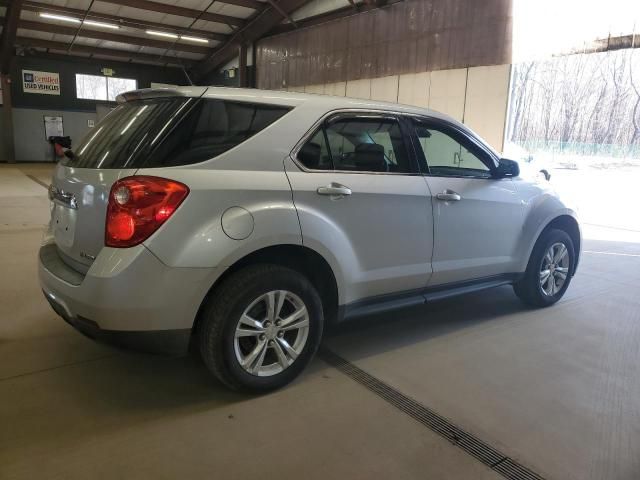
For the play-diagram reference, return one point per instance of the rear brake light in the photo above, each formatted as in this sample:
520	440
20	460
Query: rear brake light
138	206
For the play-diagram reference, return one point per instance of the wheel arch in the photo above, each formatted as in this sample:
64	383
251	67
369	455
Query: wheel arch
570	225
567	223
297	257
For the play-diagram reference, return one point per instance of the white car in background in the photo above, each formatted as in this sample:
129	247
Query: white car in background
531	167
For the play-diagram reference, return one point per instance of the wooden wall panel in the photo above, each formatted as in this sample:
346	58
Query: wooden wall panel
406	37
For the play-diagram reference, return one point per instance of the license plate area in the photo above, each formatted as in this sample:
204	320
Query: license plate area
63	224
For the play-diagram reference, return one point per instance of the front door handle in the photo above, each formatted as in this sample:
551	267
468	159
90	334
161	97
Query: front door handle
449	196
334	190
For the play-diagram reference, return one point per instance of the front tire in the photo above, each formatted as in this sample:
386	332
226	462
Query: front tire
260	328
549	270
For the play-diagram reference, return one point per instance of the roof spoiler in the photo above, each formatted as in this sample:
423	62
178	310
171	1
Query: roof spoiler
162	92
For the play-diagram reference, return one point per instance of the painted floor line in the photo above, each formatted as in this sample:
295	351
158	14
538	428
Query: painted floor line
611	227
612	253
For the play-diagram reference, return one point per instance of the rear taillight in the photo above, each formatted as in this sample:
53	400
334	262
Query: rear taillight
138	206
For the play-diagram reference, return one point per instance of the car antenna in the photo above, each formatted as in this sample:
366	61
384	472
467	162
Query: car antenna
186	75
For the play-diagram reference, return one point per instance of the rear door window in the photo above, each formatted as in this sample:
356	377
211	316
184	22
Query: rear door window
171	132
358	143
368	144
314	154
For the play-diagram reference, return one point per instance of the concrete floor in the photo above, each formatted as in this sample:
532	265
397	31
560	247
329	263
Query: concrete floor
556	389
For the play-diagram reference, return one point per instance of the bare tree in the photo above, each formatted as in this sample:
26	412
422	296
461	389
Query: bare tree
586	102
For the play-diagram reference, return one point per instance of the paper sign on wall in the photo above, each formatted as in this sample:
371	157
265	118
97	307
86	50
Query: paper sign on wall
53	127
45	83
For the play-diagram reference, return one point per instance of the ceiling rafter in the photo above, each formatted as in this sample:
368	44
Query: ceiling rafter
262	23
122	21
332	15
111	37
110	52
178	11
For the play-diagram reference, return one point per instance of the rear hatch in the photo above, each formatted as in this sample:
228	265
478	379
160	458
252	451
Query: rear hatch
117	147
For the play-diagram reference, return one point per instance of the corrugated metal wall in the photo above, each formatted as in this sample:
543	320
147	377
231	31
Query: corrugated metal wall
406	37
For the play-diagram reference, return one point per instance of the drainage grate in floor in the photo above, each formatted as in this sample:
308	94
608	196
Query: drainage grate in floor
37	180
488	455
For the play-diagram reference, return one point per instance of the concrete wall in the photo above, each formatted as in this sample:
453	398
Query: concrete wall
28	132
29	109
476	96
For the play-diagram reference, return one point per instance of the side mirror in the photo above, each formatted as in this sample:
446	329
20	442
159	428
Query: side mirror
507	168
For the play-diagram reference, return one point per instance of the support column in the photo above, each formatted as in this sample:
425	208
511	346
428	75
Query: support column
242	66
254	63
8	154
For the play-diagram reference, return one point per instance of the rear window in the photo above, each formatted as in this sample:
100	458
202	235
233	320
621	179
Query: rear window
170	132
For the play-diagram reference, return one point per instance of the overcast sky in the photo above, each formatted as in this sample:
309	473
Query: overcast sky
543	27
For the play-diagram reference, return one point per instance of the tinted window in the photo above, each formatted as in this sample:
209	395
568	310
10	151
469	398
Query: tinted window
358	144
119	140
368	144
169	132
446	156
314	154
212	128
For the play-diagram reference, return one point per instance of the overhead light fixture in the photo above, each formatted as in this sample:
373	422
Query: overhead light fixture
193	39
62	18
162	34
101	25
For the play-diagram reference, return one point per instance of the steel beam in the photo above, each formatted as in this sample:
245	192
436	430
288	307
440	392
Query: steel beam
9	31
178	11
260	25
111	37
111	52
123	21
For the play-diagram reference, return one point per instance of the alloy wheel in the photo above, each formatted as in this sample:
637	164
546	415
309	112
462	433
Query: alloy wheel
271	333
554	269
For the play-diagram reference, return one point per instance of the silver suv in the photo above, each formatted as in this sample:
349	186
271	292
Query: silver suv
243	222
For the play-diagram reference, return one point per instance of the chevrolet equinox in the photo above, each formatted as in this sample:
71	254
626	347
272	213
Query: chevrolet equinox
242	222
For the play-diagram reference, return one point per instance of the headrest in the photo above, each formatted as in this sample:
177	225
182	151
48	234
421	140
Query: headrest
370	157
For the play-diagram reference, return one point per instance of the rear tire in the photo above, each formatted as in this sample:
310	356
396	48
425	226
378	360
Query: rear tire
260	328
549	270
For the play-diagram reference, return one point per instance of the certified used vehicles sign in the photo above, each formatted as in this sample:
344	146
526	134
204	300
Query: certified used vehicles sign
46	83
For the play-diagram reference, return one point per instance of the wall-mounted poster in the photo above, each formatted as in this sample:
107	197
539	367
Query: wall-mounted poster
53	127
46	83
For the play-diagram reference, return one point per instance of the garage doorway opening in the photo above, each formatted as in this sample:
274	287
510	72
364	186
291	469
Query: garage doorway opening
574	108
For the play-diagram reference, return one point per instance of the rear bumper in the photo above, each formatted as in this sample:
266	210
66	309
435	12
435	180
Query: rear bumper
171	342
128	297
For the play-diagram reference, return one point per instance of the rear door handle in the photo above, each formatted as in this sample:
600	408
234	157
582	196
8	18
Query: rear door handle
449	196
334	190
